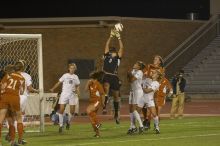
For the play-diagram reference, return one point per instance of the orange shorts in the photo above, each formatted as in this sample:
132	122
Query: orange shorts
96	104
10	102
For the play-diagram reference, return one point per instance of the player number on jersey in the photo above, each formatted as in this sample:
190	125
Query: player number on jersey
12	84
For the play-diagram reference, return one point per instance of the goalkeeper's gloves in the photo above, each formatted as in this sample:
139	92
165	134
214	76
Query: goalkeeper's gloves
112	34
117	34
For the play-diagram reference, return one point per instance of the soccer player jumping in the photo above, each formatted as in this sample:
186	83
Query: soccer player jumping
112	59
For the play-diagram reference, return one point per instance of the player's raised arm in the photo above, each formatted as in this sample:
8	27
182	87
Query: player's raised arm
121	48
107	45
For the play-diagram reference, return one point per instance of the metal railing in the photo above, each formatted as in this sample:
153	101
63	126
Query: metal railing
211	26
191	47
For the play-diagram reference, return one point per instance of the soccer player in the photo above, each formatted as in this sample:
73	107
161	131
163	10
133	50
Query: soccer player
149	88
70	91
97	97
112	59
23	98
136	93
157	65
165	89
12	85
28	85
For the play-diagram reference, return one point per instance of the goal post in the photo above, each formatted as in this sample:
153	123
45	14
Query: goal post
28	47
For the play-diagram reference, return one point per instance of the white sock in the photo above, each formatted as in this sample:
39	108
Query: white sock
61	120
70	116
22	118
7	125
156	122
137	116
15	124
132	118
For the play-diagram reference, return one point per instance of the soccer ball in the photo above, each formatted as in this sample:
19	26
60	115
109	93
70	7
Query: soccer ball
118	27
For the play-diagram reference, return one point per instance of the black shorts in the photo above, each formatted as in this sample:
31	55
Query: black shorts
113	80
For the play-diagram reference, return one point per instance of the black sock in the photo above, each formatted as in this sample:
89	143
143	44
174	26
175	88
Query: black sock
116	105
106	100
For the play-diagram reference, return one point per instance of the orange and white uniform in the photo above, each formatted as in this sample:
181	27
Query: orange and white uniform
96	90
150	68
160	95
11	87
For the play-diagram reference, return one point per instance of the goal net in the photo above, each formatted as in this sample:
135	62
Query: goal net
28	47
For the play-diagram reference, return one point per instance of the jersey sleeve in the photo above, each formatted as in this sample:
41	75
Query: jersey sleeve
138	75
77	80
155	86
62	79
28	80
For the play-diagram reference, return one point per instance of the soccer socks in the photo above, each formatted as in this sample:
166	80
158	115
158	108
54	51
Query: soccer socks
106	101
61	120
93	118
15	125
70	117
156	122
20	131
132	118
137	116
116	105
12	132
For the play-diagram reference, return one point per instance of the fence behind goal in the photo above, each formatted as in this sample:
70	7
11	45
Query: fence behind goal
28	47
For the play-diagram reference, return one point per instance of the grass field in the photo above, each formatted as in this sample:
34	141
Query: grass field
203	131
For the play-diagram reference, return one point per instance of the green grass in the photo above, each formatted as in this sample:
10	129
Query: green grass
186	132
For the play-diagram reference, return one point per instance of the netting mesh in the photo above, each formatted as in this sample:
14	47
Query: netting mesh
14	49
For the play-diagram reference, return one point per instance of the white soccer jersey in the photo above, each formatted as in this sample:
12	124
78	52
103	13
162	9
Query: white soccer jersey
154	85
137	84
28	82
69	82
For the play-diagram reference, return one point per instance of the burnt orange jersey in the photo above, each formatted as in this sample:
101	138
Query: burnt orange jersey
150	68
12	84
160	95
96	90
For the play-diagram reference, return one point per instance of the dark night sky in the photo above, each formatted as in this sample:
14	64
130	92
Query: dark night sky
176	9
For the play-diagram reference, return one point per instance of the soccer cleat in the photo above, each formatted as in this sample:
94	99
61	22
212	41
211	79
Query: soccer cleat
67	126
98	125
157	131
130	131
14	144
60	129
117	121
135	129
97	135
141	130
22	141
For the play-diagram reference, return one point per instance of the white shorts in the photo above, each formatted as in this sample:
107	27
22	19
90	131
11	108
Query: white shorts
146	100
70	99
23	102
135	96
